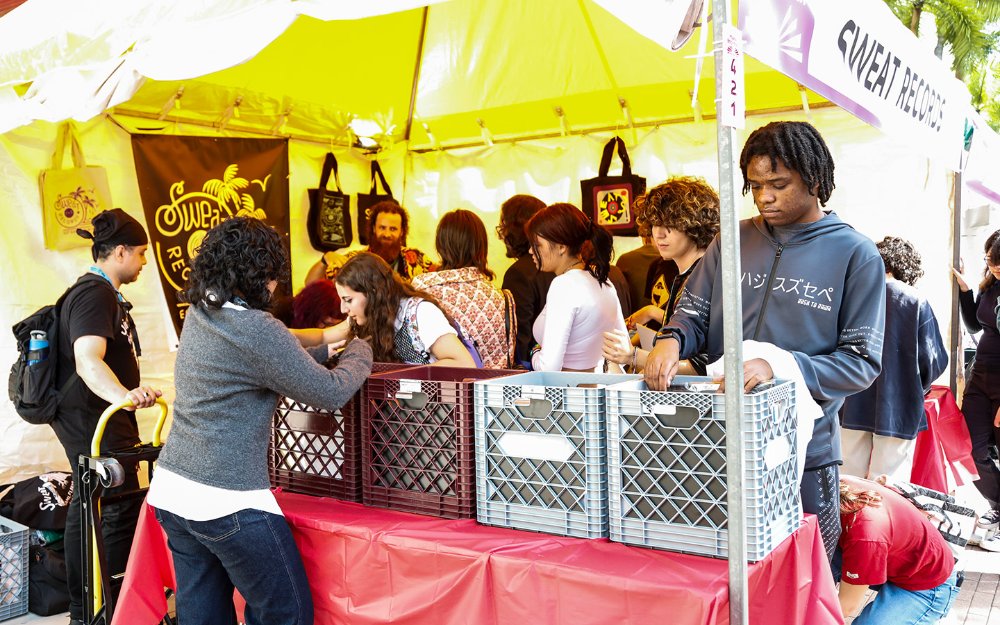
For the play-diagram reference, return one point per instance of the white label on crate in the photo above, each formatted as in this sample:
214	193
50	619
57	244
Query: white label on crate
663	409
533	392
536	446
778	451
409	386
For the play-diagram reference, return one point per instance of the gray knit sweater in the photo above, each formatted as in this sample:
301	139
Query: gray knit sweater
231	367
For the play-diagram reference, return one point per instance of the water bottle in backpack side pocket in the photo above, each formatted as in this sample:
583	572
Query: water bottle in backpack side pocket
38	346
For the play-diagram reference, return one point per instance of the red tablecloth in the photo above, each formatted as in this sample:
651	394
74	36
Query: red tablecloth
944	447
367	566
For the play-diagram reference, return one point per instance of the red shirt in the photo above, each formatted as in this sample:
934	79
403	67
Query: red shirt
892	543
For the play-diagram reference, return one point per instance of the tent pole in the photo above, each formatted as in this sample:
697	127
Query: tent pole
416	75
955	338
732	313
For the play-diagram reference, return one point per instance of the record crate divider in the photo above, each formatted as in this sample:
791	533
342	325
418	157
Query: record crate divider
318	452
418	447
541	452
667	464
13	569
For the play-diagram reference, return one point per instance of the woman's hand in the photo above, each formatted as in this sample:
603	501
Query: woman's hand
643	316
333	349
960	280
617	347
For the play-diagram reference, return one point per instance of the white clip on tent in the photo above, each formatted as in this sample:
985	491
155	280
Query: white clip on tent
474	101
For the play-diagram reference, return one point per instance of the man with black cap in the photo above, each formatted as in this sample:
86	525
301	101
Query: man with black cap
98	365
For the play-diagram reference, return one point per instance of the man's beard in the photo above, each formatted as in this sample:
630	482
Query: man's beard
388	250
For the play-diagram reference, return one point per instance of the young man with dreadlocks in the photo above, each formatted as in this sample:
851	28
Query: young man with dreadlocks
811	285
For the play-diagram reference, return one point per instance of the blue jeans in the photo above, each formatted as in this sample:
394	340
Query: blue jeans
894	605
250	550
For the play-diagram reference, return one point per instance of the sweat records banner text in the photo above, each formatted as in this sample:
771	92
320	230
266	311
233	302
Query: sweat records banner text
190	184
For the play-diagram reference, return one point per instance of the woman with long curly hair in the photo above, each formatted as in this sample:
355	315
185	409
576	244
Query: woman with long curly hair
211	490
981	401
464	287
887	540
581	303
683	217
402	323
879	425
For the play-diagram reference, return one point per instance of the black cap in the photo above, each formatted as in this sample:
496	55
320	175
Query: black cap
115	227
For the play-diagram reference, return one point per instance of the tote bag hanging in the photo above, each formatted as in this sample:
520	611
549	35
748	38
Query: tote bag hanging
367	200
329	221
71	197
609	200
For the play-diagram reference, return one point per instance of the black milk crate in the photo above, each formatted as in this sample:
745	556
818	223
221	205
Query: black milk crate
418	447
13	569
318	452
667	463
541	452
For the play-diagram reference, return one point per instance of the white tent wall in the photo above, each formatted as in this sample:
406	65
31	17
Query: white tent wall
882	188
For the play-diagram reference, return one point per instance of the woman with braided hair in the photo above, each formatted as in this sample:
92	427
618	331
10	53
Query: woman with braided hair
581	303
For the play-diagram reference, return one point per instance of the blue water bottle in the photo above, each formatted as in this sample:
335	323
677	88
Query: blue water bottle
38	346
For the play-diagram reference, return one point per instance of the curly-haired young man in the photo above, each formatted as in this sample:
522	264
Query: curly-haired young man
811	286
880	424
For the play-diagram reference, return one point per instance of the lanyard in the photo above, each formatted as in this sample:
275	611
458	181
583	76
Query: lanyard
97	270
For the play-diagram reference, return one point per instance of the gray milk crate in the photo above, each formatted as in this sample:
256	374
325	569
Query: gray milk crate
667	467
13	569
541	452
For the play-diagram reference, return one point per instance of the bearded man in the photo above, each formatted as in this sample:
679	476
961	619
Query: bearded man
388	225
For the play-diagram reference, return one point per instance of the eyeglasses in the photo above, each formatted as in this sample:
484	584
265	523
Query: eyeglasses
989	263
501	230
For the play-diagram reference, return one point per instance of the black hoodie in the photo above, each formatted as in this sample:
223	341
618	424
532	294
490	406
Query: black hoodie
820	295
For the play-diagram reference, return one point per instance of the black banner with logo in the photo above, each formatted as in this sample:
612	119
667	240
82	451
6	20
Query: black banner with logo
190	184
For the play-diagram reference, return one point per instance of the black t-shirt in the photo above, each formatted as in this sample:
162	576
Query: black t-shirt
93	309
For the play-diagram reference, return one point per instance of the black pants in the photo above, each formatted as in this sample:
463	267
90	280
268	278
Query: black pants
979	406
118	521
820	492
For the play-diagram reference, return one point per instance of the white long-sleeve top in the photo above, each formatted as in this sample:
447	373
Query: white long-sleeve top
570	328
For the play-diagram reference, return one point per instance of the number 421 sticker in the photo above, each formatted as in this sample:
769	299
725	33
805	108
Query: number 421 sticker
733	101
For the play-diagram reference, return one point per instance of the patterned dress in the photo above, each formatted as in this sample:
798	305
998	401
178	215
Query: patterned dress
479	308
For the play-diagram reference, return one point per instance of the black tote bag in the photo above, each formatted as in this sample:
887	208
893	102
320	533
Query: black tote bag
329	221
373	197
609	200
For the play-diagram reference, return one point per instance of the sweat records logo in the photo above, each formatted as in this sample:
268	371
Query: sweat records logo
191	184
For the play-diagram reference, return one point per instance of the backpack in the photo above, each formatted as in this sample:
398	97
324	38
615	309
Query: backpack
410	317
32	388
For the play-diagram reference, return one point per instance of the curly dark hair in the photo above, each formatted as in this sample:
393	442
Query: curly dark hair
239	257
461	241
684	203
800	147
367	273
514	213
566	225
390	207
901	259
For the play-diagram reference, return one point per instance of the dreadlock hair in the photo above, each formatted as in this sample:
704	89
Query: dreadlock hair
566	224
461	241
901	259
993	255
239	257
369	274
800	147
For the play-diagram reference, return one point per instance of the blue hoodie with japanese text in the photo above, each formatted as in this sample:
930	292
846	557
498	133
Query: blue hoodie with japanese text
816	290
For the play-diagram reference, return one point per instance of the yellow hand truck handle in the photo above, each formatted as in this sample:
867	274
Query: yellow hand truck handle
95	450
95	444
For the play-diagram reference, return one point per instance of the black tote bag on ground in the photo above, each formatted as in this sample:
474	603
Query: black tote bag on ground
609	200
329	222
373	197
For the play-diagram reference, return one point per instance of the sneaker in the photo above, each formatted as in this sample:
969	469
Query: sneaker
992	543
990	520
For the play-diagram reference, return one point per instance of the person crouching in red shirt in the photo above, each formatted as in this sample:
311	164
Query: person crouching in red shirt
886	540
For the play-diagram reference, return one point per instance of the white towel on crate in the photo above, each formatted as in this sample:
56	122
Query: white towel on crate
784	367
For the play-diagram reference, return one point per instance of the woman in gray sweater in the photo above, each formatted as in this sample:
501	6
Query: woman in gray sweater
211	490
